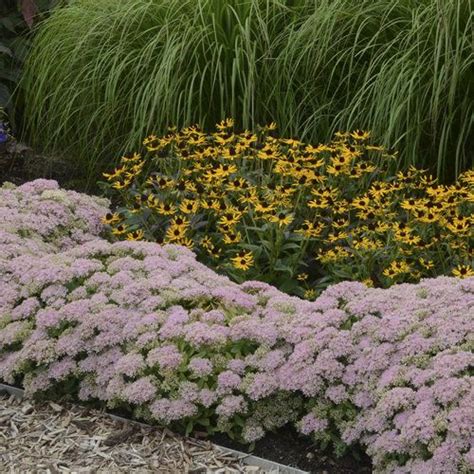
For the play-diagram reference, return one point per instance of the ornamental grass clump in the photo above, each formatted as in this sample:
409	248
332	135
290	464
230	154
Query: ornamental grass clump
102	73
148	329
296	215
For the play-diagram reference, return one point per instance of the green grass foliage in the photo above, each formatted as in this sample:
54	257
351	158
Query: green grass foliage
104	73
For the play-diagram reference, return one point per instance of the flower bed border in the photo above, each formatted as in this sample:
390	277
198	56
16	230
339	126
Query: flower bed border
269	466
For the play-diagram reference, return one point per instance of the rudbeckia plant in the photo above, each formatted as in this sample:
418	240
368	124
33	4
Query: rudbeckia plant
255	206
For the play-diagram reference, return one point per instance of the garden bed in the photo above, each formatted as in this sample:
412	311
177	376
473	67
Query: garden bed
147	329
68	438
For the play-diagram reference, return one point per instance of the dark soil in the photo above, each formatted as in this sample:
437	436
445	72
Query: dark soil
287	447
19	164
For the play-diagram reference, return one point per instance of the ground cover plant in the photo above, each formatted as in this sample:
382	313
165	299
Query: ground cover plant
104	73
296	215
148	328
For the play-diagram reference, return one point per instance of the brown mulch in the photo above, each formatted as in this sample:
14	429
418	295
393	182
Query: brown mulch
49	438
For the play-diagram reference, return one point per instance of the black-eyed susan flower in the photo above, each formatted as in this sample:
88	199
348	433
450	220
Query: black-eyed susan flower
175	233
230	218
243	260
122	183
281	218
308	229
263	206
186	242
427	264
206	242
120	229
232	238
189	206
225	124
365	167
214	251
460	225
428	217
180	221
396	268
165	209
134	158
111	218
361	203
463	271
152	143
117	173
135	235
360	135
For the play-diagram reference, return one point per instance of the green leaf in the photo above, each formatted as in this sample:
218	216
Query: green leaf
189	427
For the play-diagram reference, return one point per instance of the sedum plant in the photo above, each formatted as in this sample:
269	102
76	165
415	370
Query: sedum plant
299	216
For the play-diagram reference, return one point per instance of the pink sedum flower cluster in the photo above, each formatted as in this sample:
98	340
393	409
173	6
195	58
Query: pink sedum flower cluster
146	327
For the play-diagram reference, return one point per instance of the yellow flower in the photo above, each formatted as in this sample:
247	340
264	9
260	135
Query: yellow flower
115	174
428	264
318	203
225	124
361	203
120	229
396	268
174	233
463	271
368	282
268	152
426	216
136	235
332	255
309	294
337	235
110	218
230	218
302	277
308	229
151	143
206	243
165	209
121	183
365	167
214	251
282	219
232	238
243	260
179	221
189	206
161	182
337	170
136	157
264	207
459	225
366	244
360	135
186	242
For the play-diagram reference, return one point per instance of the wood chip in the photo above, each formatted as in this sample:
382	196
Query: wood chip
60	439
